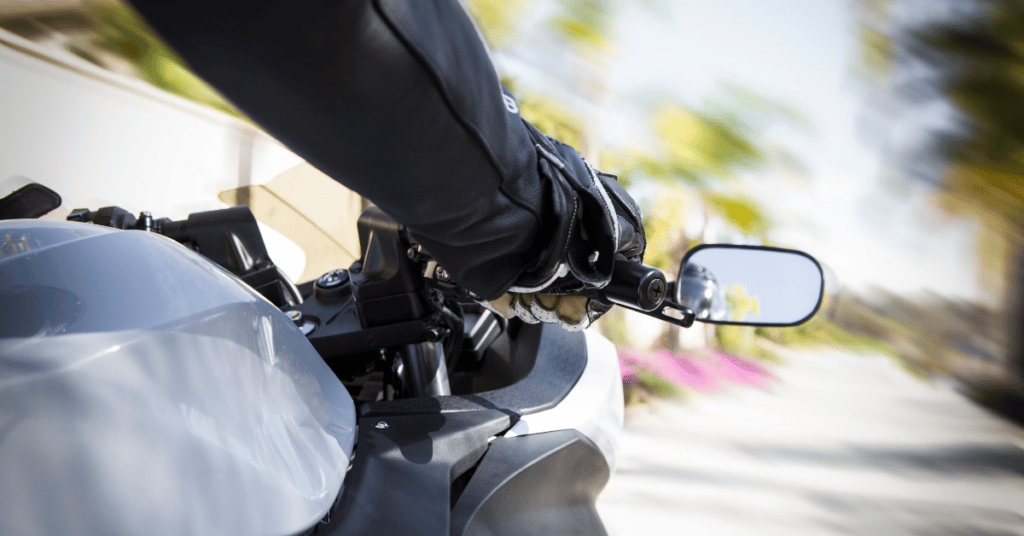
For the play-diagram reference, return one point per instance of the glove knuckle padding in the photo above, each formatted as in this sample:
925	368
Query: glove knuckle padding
594	221
632	241
591	227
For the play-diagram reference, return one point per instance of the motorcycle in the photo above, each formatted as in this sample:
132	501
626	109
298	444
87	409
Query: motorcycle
162	376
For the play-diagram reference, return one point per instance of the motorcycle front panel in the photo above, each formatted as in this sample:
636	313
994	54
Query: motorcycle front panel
145	390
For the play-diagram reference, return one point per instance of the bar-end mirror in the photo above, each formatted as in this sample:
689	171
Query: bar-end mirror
750	285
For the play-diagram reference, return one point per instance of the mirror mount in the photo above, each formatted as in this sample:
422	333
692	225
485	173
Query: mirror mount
673	313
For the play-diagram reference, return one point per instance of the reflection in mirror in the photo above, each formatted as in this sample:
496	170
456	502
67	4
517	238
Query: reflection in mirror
751	285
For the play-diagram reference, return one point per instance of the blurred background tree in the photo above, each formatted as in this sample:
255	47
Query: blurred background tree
968	55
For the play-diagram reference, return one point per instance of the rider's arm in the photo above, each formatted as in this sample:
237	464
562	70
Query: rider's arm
397	100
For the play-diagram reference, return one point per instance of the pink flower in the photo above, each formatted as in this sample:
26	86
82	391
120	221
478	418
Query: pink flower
737	370
684	371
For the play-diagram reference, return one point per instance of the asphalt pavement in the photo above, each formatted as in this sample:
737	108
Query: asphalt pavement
835	443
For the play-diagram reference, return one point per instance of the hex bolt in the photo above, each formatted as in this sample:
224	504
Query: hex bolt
145	221
441	274
332	279
295	316
412	253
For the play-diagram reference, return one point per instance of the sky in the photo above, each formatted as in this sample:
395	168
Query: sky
802	54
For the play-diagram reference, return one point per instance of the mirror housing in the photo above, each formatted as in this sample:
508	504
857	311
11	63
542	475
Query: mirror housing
749	285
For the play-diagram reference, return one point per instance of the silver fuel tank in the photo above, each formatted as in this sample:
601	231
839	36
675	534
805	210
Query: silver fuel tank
145	390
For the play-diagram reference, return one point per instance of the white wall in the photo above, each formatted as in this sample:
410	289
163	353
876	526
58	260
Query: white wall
100	139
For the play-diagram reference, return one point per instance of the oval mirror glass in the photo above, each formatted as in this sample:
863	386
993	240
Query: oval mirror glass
749	285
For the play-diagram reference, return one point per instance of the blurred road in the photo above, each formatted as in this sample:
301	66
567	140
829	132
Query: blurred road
839	444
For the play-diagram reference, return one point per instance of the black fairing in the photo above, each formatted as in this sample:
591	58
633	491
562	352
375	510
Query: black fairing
429	468
535	484
401	478
546	363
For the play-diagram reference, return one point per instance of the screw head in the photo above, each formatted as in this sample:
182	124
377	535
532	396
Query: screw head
332	279
432	333
381	425
656	291
294	316
441	273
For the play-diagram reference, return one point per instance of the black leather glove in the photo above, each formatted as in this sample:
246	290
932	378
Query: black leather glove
600	225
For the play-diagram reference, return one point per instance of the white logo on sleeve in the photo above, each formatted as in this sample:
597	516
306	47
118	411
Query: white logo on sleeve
510	104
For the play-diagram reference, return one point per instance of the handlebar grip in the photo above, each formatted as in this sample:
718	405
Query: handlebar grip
635	286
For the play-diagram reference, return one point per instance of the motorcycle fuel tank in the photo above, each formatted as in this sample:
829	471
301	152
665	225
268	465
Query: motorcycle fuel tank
145	390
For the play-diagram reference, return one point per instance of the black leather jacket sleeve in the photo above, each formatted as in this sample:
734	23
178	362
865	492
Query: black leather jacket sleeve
399	101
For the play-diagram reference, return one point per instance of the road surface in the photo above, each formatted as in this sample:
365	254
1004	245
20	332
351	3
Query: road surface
837	444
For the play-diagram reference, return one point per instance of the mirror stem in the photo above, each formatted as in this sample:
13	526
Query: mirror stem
669	311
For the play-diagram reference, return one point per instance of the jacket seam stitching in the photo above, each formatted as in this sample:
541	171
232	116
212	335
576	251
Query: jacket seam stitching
442	88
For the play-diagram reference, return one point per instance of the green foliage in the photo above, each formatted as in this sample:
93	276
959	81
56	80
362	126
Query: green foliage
876	50
584	23
121	33
648	386
738	340
498	19
974	60
587	24
663	225
748	112
700	148
694	146
548	115
980	59
740	303
656	385
741	212
820	331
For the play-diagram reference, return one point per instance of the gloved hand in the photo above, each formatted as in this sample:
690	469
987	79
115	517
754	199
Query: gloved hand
600	225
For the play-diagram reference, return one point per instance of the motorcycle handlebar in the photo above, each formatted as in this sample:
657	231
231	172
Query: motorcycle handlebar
635	286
